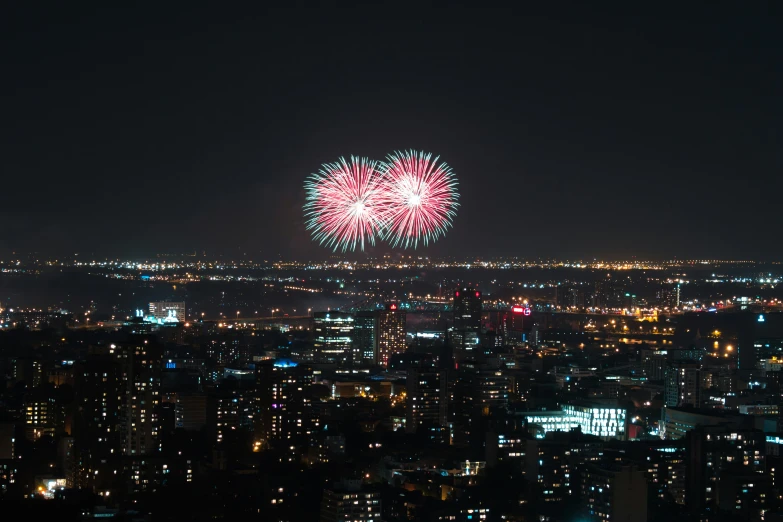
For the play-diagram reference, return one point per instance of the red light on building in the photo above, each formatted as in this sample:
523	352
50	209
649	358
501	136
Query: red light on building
477	294
456	294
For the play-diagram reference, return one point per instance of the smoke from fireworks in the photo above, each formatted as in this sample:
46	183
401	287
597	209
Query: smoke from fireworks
419	198
344	204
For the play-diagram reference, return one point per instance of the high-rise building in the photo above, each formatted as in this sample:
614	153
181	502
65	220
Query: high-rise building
285	402
683	385
7	456
570	297
140	363
726	471
67	460
426	404
478	393
43	415
612	493
467	309
190	411
465	333
653	364
332	337
551	464
27	370
389	334
609	293
97	426
363	345
348	501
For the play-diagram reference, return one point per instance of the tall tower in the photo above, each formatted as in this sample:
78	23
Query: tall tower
467	309
363	345
97	425
140	365
467	322
683	384
389	334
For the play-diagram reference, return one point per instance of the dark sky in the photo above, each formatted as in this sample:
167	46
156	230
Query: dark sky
574	133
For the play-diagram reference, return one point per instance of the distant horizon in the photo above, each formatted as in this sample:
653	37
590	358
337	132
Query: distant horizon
355	258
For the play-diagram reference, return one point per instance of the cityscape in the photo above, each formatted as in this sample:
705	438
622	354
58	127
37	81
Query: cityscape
370	262
392	389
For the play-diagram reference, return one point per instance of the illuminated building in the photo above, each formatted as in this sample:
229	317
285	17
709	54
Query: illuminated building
363	346
332	337
285	402
570	297
190	411
464	335
232	413
465	514
509	446
519	321
140	365
167	312
607	422
43	415
426	403
467	310
609	294
67	460
389	334
592	418
479	392
551	464
677	422
27	370
683	385
348	500
727	471
653	364
665	467
97	423
7	456
614	493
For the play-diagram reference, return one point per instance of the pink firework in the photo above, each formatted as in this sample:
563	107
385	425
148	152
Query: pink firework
420	198
344	203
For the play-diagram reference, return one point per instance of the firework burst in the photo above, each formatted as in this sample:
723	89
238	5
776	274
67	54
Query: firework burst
419	198
344	204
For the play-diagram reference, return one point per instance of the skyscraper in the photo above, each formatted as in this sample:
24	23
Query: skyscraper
683	384
285	402
97	427
426	404
726	470
467	309
389	334
464	335
363	344
615	493
332	337
140	363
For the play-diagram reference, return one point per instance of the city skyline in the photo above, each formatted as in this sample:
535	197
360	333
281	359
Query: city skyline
575	132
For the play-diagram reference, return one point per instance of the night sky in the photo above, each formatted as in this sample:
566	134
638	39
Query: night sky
574	133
